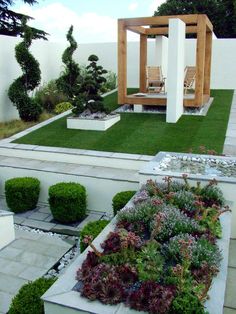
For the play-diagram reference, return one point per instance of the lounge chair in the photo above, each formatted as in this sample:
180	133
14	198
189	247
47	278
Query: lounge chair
189	79
155	79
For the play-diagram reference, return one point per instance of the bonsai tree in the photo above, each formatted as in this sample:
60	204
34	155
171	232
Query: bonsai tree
29	110
90	91
70	78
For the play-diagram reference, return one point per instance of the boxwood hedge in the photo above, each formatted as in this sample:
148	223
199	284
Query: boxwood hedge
67	201
22	193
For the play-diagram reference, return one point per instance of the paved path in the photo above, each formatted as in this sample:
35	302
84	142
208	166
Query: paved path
41	218
230	295
27	258
230	140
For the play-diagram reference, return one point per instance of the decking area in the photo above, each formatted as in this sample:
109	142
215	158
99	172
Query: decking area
160	99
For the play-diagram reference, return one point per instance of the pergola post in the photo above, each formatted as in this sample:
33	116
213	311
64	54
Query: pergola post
122	62
143	63
175	95
207	73
200	60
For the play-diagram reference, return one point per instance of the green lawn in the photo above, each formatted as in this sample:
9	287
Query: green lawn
144	133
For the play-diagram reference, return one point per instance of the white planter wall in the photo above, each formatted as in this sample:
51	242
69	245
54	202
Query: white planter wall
100	190
49	56
7	232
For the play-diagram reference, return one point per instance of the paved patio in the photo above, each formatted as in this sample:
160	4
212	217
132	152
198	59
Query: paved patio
27	258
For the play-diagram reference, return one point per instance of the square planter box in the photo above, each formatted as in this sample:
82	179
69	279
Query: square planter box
92	124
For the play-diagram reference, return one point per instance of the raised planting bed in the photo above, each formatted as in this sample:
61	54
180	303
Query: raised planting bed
165	252
198	168
94	124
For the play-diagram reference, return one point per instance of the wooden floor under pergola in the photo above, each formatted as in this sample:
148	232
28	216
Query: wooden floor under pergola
198	24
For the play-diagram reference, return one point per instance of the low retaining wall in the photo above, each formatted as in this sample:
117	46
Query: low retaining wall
75	156
7	232
101	183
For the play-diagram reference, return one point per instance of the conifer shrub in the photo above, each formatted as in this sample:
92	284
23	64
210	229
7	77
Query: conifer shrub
29	109
22	193
70	78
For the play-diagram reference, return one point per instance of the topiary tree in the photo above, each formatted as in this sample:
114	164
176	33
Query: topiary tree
29	110
90	90
69	80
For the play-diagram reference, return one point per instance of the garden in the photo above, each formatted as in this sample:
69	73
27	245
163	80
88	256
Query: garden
79	88
160	253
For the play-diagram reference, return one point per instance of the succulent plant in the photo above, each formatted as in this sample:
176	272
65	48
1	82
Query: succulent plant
175	222
211	194
152	297
184	200
150	262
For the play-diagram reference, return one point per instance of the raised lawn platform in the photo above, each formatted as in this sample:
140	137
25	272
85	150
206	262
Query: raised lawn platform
144	133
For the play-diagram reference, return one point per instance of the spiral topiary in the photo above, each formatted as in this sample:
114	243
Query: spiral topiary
68	81
29	110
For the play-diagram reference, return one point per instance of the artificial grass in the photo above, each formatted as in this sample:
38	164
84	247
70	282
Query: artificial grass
144	133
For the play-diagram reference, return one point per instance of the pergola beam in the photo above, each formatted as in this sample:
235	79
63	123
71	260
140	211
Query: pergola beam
137	29
159	20
209	24
165	30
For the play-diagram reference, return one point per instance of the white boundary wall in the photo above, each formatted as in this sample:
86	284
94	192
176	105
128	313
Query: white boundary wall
49	56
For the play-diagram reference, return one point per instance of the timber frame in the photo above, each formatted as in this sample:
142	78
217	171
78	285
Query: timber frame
158	25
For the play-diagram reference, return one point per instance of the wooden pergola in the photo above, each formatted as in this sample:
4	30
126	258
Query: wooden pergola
195	24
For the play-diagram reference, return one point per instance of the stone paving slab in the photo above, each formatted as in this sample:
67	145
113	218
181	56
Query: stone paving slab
230	295
47	226
31	272
5	300
41	218
229	311
232	256
27	258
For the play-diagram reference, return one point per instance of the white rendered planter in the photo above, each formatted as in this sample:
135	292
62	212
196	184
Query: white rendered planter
92	124
62	299
7	232
227	184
